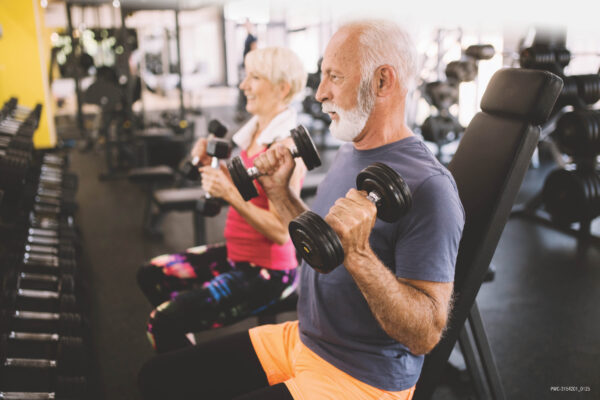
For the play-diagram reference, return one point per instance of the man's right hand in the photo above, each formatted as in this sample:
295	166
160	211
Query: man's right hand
277	165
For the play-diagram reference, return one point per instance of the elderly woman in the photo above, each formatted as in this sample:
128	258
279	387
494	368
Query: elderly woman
214	285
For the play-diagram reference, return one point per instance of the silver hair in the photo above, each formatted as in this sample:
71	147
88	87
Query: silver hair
383	42
278	64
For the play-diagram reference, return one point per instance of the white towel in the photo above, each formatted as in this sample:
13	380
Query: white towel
278	129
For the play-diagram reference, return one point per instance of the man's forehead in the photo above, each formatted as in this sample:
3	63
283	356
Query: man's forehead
341	51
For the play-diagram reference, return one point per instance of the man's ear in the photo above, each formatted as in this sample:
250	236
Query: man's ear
385	79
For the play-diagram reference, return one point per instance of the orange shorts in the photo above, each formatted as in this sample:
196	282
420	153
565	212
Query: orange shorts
307	376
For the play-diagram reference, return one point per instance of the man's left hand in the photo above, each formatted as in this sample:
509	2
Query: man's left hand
352	218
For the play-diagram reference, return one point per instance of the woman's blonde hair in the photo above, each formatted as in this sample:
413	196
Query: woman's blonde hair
278	65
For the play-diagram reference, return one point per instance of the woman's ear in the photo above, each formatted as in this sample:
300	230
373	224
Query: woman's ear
284	89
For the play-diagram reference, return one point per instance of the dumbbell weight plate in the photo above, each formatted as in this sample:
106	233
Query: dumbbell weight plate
316	242
240	178
306	147
209	207
395	198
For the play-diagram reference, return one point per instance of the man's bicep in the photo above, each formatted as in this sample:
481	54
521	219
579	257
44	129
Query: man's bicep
428	239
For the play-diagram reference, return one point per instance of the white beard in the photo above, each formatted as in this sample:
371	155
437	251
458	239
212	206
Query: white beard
350	123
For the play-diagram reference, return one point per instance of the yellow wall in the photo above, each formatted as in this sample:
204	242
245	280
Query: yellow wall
23	62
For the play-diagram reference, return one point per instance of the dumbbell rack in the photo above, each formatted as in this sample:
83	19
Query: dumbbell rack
571	193
44	351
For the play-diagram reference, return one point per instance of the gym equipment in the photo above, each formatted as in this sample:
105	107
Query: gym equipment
218	149
40	300
190	168
42	282
65	350
38	246
17	374
304	147
65	388
67	324
178	198
319	245
443	127
488	167
578	133
571	194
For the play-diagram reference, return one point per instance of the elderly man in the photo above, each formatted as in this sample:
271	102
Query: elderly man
362	329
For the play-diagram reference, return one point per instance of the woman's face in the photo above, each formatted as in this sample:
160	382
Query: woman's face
262	96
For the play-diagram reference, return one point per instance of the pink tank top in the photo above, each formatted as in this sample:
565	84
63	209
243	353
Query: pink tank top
244	243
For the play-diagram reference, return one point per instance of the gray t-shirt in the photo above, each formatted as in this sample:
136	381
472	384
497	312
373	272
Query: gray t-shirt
335	319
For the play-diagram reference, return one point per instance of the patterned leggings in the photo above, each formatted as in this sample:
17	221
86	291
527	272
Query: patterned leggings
201	289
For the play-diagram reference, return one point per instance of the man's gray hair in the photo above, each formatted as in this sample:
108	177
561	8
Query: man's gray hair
384	42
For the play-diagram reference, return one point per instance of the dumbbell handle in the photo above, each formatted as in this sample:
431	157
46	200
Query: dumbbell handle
29	363
45	316
214	163
38	277
32	248
27	395
196	160
38	337
253	172
42	232
40	258
374	197
38	294
43	240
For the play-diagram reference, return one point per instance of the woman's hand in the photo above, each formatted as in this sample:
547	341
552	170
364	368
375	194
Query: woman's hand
199	150
218	184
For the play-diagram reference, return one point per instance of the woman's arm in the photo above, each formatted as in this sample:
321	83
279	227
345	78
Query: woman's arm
267	222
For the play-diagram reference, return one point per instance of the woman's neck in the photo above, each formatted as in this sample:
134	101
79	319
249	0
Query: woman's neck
265	119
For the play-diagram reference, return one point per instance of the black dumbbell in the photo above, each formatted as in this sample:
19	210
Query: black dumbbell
65	388
218	149
190	168
54	222
25	280
55	160
67	349
31	374
480	51
304	147
64	324
318	243
41	300
47	263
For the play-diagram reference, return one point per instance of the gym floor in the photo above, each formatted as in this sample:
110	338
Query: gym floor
541	312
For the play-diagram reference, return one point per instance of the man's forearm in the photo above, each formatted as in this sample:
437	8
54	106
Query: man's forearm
287	204
405	312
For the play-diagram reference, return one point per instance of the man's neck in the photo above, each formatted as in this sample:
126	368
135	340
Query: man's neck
382	127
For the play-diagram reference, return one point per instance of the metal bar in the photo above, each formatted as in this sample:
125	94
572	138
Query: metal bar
473	362
74	46
485	353
180	84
